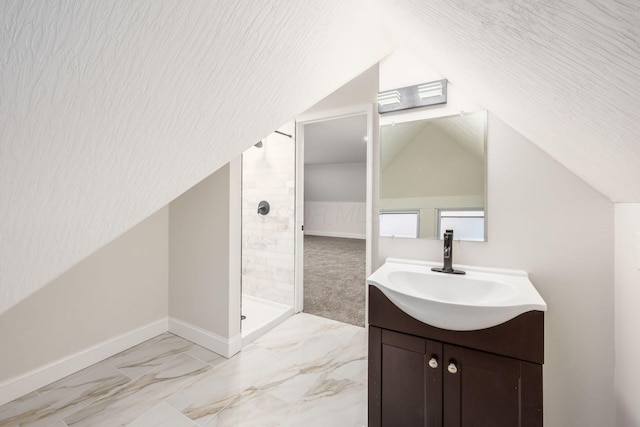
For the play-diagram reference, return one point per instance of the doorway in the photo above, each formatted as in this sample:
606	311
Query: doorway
334	186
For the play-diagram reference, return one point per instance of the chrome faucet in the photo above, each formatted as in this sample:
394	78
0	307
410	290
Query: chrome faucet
448	255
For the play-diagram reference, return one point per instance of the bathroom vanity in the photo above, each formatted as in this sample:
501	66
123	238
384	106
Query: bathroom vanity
422	375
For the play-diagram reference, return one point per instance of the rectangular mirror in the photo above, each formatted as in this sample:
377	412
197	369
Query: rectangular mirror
433	177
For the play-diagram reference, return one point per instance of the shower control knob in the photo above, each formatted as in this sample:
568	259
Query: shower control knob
263	208
452	368
433	363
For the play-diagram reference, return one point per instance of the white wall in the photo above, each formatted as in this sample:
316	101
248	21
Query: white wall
204	258
110	111
548	222
361	90
335	199
268	249
116	290
339	182
627	319
335	219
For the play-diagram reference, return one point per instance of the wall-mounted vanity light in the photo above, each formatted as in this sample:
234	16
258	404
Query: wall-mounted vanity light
422	95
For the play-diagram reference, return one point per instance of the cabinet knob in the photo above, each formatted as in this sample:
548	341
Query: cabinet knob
433	363
452	368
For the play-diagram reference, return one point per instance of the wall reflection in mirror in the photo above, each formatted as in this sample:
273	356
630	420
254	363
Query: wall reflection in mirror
433	177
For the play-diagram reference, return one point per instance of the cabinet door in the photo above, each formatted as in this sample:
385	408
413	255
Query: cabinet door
480	389
411	387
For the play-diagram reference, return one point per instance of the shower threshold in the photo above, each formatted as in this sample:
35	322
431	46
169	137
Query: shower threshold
260	316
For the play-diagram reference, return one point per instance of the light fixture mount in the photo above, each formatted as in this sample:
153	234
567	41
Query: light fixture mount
421	95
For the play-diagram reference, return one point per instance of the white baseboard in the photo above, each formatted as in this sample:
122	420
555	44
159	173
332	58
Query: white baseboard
209	340
335	234
16	387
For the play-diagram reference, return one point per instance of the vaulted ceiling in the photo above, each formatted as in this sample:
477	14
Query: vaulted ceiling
563	73
111	109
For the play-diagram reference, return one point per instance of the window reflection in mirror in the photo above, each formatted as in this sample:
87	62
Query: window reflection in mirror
433	177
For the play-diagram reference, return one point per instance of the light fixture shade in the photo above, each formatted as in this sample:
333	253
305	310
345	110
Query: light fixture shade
389	97
429	90
422	95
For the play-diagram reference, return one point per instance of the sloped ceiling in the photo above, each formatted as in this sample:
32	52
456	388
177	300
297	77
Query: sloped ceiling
111	109
468	131
563	73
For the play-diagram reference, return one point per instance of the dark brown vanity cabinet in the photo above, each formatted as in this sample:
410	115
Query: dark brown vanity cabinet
425	376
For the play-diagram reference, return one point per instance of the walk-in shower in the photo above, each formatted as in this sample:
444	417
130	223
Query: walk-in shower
268	252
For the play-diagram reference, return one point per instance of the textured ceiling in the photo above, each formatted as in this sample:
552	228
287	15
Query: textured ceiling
565	74
111	109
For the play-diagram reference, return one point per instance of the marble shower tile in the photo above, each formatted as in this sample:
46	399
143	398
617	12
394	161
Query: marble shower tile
144	357
128	402
72	395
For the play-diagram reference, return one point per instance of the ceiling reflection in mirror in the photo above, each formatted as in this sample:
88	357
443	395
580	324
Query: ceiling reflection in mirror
433	177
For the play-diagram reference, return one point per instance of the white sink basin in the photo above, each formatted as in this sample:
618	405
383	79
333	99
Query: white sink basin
482	298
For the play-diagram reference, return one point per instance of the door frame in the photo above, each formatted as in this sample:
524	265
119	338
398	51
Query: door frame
372	191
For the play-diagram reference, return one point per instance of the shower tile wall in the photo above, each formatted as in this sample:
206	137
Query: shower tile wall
268	173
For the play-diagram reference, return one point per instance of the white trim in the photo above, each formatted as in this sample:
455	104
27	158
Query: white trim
373	199
372	191
337	113
16	387
249	338
209	340
335	234
235	245
299	220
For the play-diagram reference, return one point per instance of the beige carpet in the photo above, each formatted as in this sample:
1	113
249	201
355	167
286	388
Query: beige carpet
334	278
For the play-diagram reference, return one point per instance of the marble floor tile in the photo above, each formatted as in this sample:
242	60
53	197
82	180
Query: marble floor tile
150	354
73	377
15	403
257	408
224	383
282	367
128	402
205	355
162	415
73	395
308	371
331	403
